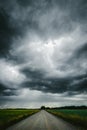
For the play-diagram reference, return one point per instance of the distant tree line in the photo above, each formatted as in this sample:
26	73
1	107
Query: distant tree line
68	107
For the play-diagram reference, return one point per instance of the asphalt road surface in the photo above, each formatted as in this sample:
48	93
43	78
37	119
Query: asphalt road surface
42	121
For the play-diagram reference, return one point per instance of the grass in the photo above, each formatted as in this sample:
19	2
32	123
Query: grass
10	116
77	117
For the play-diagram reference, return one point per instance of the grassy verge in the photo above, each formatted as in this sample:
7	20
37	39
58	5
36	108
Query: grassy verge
10	116
76	117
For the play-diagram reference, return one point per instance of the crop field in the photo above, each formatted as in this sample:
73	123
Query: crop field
77	117
10	116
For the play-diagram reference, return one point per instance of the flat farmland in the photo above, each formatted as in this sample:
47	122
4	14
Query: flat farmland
75	116
10	116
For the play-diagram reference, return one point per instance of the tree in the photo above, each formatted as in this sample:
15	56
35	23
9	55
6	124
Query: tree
42	107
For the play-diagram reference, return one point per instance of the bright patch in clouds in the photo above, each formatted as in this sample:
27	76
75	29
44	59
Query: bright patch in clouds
33	99
10	74
51	56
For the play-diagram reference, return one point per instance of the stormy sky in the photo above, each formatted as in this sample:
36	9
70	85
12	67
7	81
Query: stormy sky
43	53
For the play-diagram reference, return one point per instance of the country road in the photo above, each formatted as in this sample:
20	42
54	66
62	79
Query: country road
42	121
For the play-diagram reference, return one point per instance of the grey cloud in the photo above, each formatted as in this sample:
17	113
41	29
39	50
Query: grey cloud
10	78
49	18
36	99
71	85
2	88
78	59
6	33
52	72
80	84
44	47
82	51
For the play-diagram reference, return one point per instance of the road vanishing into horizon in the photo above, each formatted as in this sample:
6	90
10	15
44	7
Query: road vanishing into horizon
42	121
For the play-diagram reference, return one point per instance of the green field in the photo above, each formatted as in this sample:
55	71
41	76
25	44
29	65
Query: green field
77	117
11	116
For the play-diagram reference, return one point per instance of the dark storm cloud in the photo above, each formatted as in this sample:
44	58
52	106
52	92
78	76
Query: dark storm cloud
77	9
5	32
79	84
31	67
34	14
5	91
82	51
79	59
55	85
28	11
58	86
2	88
17	16
33	74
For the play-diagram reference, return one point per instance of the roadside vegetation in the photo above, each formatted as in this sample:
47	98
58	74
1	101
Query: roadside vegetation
75	116
10	116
